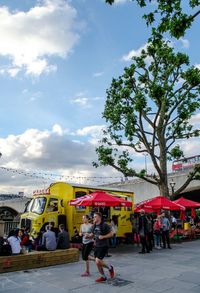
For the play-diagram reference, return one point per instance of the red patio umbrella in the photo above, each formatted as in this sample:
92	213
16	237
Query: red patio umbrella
188	204
100	198
138	205
159	202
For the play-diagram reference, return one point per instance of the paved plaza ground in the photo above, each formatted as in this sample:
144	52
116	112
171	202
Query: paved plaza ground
176	270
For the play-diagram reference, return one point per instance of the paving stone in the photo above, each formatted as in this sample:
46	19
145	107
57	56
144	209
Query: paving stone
190	277
161	271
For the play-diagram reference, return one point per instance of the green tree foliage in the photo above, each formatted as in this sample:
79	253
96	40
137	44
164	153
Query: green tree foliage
173	16
148	111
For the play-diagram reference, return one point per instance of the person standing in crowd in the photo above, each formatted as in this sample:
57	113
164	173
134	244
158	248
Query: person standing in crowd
173	222
49	239
191	221
150	233
14	241
157	232
85	231
165	225
101	233
63	238
135	228
143	231
113	240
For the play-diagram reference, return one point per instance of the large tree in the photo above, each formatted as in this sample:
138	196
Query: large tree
148	111
173	16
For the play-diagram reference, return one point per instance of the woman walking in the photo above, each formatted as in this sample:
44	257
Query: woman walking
85	230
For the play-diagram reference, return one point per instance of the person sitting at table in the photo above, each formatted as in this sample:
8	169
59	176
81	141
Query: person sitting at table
37	241
5	248
76	238
14	241
49	240
25	241
63	238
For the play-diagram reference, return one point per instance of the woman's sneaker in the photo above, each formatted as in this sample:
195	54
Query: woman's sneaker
111	272
101	279
86	274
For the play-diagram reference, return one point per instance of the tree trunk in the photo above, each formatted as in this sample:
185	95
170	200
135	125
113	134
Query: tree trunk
163	187
163	184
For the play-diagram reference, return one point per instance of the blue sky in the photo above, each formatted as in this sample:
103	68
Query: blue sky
57	58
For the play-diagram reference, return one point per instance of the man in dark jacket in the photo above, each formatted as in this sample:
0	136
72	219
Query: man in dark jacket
63	238
143	231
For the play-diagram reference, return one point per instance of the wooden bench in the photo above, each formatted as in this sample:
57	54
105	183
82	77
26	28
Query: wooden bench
37	259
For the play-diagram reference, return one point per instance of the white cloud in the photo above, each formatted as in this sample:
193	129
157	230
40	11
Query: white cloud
97	98
195	120
121	1
48	151
134	53
83	100
197	66
34	96
190	147
29	38
88	130
94	132
98	74
137	52
185	43
57	129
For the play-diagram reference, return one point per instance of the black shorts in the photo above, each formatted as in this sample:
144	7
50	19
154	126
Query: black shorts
86	249
100	252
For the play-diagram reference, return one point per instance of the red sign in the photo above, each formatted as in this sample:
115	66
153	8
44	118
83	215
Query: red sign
41	191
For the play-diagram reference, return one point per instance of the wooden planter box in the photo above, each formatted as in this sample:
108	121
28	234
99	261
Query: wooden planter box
38	259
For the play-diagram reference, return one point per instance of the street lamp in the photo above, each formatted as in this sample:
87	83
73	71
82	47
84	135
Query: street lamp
172	184
145	162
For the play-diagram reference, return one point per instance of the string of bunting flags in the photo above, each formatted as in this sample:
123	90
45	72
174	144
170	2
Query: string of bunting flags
52	176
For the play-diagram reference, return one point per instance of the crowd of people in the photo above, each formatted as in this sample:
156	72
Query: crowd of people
154	232
98	236
19	241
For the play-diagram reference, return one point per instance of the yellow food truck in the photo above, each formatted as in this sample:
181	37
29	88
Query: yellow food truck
51	205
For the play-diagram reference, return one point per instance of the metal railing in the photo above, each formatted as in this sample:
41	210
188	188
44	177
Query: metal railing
6	227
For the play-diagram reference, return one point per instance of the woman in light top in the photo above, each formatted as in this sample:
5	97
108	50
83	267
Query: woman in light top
85	230
14	241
